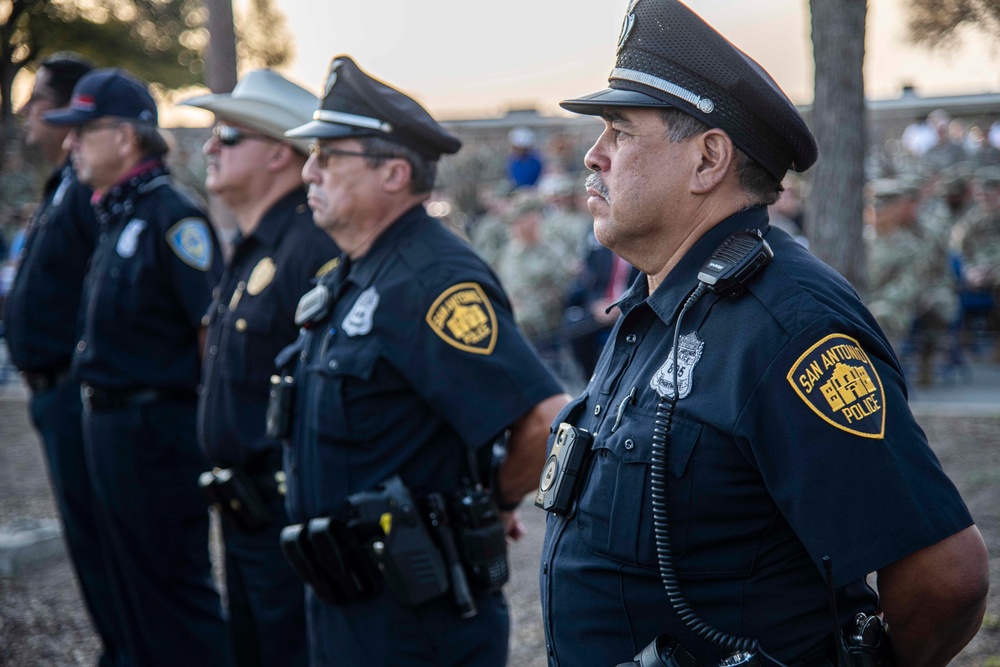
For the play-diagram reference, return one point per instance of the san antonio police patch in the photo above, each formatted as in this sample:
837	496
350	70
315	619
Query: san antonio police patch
463	317
838	381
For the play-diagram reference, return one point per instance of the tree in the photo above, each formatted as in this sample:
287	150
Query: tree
264	40
939	23
834	209
220	75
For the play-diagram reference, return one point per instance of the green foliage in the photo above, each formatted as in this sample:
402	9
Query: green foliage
940	23
262	35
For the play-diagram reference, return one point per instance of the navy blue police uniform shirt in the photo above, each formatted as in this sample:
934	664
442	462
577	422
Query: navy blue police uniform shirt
40	314
791	440
250	320
419	362
150	282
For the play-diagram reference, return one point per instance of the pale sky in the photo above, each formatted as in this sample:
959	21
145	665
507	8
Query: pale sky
467	59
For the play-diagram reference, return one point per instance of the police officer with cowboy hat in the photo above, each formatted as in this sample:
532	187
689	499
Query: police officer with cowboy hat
753	456
278	252
409	368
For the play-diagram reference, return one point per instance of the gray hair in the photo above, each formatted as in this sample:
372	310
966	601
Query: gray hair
424	170
760	187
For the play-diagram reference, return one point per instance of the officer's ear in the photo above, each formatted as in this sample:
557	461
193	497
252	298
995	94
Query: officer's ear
126	140
717	154
280	156
397	174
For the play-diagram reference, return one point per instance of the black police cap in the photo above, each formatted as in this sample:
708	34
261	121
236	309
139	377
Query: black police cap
669	57
357	105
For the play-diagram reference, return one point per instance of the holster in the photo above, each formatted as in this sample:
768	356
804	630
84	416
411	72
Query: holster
241	499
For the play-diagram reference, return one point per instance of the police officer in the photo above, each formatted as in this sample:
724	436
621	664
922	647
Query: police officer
40	320
413	363
741	432
256	172
149	283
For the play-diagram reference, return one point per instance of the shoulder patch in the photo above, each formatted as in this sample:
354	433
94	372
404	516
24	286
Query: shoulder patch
191	241
261	276
463	317
328	267
838	382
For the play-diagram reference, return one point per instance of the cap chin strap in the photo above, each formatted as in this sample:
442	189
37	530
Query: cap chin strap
353	120
703	104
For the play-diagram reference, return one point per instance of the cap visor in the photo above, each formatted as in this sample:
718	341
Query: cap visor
595	103
68	117
319	129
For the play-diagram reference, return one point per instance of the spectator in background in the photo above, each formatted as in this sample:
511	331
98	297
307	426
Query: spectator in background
524	164
489	234
787	213
945	151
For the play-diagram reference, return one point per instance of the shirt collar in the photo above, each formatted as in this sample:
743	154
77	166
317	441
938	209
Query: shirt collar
684	277
277	219
364	268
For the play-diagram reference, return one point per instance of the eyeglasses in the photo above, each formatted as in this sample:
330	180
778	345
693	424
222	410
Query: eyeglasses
324	153
232	136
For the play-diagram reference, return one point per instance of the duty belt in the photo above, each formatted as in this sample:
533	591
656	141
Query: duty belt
40	381
96	398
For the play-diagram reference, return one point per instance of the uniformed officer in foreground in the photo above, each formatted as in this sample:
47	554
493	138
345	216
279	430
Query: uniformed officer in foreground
40	318
149	283
257	173
742	432
410	365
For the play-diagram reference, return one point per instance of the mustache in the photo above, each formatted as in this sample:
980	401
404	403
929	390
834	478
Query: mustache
595	182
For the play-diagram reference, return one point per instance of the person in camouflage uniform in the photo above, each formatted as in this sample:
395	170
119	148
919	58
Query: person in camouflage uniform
565	225
910	289
489	233
976	238
532	270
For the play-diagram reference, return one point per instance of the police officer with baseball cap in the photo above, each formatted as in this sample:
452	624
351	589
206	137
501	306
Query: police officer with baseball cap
409	365
278	252
148	285
750	440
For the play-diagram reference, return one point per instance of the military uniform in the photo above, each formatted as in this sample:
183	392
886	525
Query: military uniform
537	280
149	284
417	362
40	320
249	321
754	503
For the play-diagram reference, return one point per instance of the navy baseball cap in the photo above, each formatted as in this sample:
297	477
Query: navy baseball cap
357	105
106	92
669	57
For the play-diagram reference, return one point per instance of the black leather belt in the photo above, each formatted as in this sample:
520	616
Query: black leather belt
96	398
40	381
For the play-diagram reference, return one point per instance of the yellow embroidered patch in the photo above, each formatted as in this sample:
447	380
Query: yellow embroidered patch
838	381
328	267
261	276
464	318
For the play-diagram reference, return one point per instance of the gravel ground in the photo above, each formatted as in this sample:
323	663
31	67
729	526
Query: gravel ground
43	623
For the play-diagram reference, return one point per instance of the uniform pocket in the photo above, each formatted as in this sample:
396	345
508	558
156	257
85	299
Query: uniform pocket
616	509
341	376
250	352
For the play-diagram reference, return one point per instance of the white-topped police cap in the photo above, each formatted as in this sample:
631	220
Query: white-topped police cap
263	101
357	105
669	57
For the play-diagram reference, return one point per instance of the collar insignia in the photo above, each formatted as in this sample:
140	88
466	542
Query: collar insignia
191	241
463	317
128	240
838	382
689	349
359	321
261	276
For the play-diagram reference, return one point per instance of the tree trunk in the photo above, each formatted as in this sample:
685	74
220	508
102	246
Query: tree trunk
220	59
834	209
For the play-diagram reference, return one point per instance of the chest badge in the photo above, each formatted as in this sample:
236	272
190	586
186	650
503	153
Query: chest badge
128	241
689	350
359	321
463	317
838	382
191	241
261	276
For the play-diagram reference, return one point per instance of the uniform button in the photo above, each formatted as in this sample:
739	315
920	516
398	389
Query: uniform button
241	325
213	350
629	444
631	338
333	364
205	321
597	410
81	346
242	285
545	567
220	309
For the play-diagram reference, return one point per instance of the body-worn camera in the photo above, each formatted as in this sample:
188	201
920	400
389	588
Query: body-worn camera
237	497
279	407
482	540
561	473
